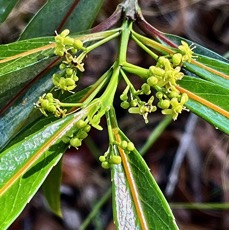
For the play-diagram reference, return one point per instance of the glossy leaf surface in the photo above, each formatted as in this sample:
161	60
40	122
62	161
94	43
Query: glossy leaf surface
139	203
24	166
213	93
73	14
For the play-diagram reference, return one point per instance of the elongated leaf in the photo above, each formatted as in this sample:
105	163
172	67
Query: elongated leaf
25	65
222	66
139	202
51	189
205	74
80	16
198	48
14	118
212	93
217	120
6	7
25	165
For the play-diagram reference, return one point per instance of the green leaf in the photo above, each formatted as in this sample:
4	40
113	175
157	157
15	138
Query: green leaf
17	116
198	48
22	61
6	7
204	58
207	75
80	16
216	119
209	91
51	189
25	165
138	201
212	93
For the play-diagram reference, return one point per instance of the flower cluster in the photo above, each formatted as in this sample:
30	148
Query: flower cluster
67	47
77	133
109	158
163	78
131	101
47	103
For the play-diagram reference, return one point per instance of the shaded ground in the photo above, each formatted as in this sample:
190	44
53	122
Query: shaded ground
203	175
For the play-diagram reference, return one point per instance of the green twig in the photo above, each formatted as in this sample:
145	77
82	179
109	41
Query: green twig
146	49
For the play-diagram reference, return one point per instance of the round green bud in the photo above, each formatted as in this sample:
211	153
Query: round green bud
146	89
115	159
102	158
87	128
78	44
62	66
75	142
65	33
174	102
82	134
177	59
123	97
74	51
164	104
105	165
51	108
134	102
49	96
69	82
130	146
123	144
174	94
74	77
69	71
45	103
62	82
159	95
80	124
59	52
125	104
152	81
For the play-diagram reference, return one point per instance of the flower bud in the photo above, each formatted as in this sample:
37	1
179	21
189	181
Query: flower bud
115	159
123	144
102	158
75	142
64	33
177	59
130	146
78	44
105	165
152	81
125	104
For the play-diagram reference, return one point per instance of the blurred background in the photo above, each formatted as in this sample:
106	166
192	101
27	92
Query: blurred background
189	150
